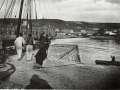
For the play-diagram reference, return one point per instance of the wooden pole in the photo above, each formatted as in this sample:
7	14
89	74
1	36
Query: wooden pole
27	26
19	20
30	18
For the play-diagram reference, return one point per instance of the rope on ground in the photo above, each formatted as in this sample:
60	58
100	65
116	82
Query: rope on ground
87	57
62	65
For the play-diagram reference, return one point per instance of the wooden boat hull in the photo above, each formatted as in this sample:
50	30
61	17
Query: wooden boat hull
101	62
6	70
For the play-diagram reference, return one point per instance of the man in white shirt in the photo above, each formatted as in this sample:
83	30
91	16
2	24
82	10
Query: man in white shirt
18	44
29	48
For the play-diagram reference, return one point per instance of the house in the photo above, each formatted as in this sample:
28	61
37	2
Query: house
56	30
8	30
60	33
95	29
71	31
83	31
90	32
75	34
67	31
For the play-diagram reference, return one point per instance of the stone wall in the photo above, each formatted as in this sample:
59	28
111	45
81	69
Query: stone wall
64	53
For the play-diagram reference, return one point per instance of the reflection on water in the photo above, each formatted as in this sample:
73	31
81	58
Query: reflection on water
91	50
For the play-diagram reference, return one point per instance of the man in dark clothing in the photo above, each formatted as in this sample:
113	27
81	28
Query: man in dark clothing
41	36
41	54
47	43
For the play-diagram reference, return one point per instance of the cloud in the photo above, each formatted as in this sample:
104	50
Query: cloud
96	0
88	10
113	1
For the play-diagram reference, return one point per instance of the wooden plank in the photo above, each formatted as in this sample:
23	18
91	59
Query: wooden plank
6	85
17	86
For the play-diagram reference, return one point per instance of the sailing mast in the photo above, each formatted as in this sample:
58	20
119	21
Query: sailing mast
27	26
29	15
30	18
19	20
30	24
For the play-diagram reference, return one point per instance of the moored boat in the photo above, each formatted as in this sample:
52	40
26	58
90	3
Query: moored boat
6	70
102	62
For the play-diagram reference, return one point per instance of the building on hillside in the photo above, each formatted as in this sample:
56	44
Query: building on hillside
60	33
118	31
79	28
67	31
71	31
91	31
75	34
56	30
110	32
23	30
37	30
8	30
95	29
83	31
11	30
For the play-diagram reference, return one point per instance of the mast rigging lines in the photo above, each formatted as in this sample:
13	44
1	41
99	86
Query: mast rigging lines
10	9
44	5
2	4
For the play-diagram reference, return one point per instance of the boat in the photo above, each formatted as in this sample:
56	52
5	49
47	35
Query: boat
6	70
103	62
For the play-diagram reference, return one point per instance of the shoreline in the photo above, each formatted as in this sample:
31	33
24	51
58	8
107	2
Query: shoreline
104	37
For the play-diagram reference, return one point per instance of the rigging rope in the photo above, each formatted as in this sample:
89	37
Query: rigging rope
53	8
49	8
17	8
13	14
35	10
41	9
24	11
5	11
87	57
10	8
2	4
47	11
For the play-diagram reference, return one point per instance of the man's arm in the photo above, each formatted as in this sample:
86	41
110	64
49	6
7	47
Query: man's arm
15	42
23	41
33	41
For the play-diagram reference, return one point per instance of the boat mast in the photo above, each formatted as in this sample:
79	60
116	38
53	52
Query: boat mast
19	20
27	26
29	10
30	23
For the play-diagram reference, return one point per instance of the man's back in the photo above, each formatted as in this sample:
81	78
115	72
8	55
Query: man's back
30	41
19	41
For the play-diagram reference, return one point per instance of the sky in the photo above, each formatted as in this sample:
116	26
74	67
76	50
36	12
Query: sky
71	10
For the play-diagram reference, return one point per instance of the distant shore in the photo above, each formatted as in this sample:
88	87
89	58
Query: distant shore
65	37
105	37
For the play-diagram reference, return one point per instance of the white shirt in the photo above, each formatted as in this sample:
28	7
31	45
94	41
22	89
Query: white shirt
19	41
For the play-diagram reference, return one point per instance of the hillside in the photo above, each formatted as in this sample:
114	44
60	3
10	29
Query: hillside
61	24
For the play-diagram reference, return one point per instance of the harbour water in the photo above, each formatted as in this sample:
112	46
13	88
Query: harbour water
91	50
